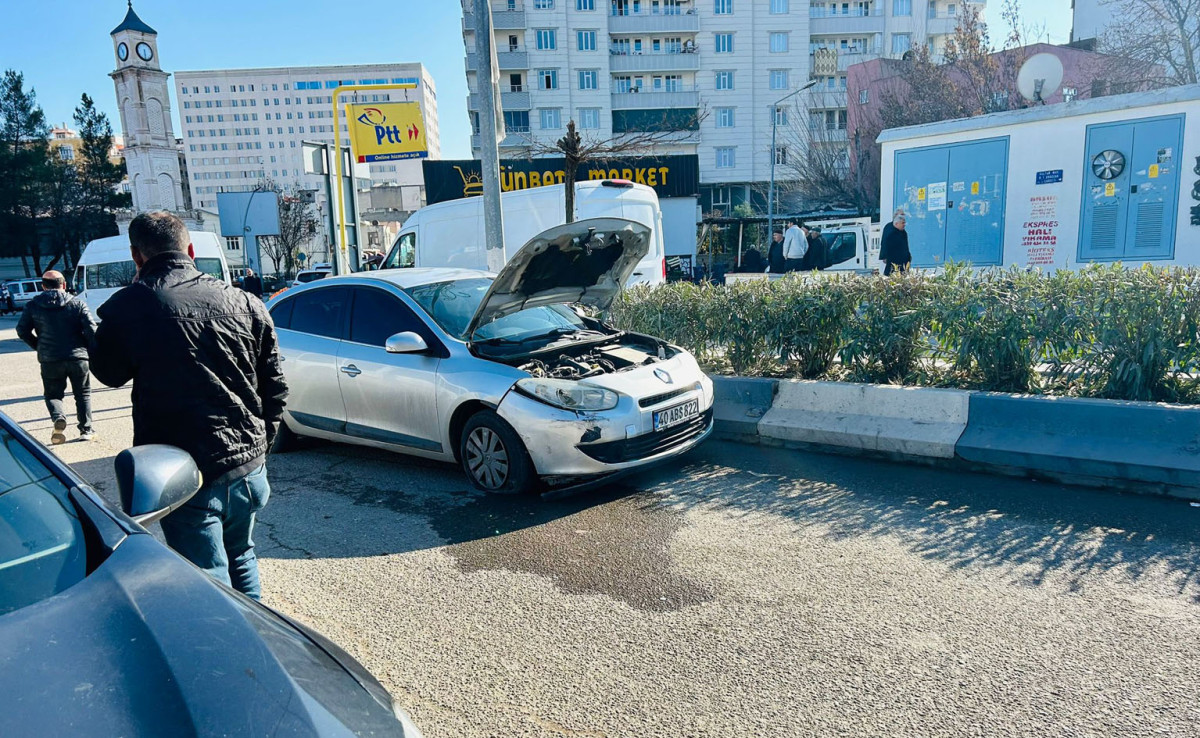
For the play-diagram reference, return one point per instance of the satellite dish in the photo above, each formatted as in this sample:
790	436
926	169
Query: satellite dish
1040	77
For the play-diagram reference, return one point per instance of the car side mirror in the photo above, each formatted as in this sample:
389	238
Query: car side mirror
154	480
405	343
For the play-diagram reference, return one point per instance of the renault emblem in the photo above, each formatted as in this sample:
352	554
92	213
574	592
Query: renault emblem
666	378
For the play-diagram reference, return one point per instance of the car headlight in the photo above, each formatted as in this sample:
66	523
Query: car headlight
568	394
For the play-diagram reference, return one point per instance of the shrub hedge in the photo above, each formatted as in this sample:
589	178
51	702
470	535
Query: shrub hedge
1104	331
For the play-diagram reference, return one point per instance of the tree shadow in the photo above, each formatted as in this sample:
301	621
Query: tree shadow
1032	531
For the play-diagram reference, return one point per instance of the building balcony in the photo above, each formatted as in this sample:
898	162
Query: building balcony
643	99
855	22
506	58
505	17
827	62
659	62
513	140
648	22
510	99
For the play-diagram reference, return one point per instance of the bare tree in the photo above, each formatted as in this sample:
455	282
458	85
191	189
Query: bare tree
297	226
814	160
578	150
1163	34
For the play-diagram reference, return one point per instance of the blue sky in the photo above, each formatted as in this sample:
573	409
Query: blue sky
67	52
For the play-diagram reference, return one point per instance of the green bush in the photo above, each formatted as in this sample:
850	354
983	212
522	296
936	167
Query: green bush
1104	331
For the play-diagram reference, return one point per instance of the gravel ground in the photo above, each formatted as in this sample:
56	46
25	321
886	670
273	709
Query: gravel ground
742	591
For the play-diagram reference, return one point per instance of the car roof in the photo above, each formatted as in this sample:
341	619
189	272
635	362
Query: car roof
406	278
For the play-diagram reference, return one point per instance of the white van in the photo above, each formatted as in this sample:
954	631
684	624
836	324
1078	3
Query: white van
106	266
451	234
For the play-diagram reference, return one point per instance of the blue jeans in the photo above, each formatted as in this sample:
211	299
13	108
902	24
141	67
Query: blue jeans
212	530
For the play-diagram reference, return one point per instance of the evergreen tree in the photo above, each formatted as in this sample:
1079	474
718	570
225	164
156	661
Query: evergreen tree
24	168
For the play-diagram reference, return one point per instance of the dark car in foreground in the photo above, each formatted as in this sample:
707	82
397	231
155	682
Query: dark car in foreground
105	631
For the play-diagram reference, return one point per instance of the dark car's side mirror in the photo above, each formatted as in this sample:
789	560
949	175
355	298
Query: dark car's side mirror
405	343
154	480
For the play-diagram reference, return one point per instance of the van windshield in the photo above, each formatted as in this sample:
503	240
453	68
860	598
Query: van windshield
210	266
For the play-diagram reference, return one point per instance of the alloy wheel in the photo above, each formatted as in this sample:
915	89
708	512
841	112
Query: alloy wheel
487	459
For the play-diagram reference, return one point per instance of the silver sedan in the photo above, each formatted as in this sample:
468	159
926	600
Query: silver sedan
501	373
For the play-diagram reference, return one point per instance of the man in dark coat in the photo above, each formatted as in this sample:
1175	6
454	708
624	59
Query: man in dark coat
59	327
893	246
775	260
204	362
252	283
752	262
815	257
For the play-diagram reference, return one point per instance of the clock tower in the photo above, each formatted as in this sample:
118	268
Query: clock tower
151	156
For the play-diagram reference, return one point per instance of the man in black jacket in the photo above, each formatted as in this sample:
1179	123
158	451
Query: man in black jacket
893	246
60	329
252	283
204	362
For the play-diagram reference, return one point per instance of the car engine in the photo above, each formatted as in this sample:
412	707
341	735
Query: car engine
595	360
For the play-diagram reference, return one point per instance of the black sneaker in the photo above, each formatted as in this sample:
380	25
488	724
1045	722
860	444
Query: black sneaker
59	435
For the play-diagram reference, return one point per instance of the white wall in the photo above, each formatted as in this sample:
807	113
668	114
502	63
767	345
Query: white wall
1057	141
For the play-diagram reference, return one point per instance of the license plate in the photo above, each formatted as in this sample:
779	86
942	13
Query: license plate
675	415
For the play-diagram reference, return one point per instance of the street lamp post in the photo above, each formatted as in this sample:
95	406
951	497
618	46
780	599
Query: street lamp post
774	155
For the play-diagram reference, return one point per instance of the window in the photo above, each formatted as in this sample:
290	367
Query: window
725	80
233	243
377	316
901	7
546	39
547	79
589	118
589	79
66	153
585	4
723	7
901	42
779	79
543	4
724	43
550	118
111	275
781	155
586	40
864	97
725	117
781	116
1069	94
779	42
725	157
320	312
779	7
281	314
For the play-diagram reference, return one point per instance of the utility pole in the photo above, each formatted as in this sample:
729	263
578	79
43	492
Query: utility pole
774	155
491	129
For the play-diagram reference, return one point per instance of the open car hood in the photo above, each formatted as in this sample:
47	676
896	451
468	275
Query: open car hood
585	262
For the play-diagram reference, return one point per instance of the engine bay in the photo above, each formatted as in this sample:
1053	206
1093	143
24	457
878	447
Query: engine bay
629	352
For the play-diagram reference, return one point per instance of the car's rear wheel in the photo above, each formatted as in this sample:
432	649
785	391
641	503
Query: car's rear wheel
494	457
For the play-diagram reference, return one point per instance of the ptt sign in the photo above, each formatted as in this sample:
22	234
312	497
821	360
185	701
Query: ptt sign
386	131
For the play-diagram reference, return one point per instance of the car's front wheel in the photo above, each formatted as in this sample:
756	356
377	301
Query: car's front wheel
494	457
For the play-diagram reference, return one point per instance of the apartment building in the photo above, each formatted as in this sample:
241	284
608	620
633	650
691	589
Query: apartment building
1091	18
709	71
241	126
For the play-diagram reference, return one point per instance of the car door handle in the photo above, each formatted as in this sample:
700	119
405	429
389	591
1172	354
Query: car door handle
351	370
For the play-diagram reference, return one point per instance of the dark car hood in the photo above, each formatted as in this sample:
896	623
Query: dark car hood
146	645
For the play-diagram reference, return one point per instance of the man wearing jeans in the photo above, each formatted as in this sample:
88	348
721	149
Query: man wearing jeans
205	368
59	328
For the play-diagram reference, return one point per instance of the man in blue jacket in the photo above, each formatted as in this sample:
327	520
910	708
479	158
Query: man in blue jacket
59	327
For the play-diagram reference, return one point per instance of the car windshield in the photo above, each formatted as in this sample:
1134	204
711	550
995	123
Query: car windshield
42	548
452	305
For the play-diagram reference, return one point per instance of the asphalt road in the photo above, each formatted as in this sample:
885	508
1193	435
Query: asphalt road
743	591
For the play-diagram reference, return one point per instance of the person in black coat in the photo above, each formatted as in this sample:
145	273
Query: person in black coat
775	261
752	262
893	247
252	283
205	366
818	250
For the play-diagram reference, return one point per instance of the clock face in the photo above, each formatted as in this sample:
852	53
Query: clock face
145	52
123	51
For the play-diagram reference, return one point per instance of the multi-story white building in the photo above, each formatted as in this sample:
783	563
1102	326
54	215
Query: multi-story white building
620	67
243	126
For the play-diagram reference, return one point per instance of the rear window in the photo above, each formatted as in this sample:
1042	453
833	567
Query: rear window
113	275
211	267
306	277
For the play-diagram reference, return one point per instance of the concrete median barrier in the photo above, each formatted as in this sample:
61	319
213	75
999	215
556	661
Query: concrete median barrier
739	403
898	421
1138	446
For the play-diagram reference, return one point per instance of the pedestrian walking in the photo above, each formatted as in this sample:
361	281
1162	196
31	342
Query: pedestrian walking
893	246
60	328
775	261
795	246
252	283
204	362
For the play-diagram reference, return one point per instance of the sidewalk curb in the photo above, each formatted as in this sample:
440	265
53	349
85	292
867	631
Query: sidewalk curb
1141	447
